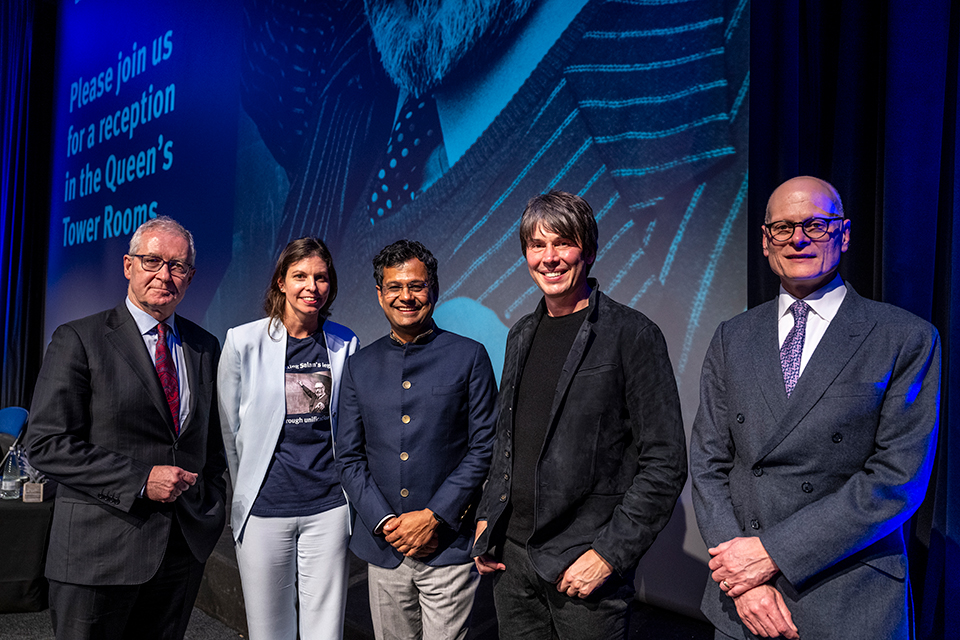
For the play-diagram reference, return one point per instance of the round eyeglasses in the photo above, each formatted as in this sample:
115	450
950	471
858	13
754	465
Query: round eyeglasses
813	228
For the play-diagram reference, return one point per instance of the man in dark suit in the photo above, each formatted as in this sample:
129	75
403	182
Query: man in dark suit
590	455
415	435
124	417
813	443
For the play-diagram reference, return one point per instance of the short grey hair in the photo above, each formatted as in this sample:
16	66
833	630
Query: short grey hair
165	224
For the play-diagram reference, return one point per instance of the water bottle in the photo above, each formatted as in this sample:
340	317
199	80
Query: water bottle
10	489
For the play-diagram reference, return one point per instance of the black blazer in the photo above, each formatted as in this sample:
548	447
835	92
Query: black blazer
98	423
614	458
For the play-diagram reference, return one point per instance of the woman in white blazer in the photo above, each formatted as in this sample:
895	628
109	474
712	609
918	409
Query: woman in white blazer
278	385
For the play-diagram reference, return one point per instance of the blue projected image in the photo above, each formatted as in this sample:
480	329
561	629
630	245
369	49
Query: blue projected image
254	122
145	125
641	109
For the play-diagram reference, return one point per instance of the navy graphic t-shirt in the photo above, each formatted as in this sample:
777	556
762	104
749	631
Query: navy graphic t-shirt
302	479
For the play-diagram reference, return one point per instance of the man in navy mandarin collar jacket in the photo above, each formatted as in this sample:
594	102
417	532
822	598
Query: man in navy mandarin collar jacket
417	410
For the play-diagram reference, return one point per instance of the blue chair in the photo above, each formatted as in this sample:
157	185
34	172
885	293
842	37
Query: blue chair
12	420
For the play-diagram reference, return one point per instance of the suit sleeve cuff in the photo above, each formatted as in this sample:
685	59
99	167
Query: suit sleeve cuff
378	530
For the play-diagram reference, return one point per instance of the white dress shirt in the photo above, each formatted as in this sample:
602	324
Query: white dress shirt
824	304
147	325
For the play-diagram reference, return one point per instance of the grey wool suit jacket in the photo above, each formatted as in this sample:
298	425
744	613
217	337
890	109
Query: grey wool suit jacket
99	422
827	477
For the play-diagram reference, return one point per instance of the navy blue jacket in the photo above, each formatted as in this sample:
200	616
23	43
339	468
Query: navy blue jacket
427	444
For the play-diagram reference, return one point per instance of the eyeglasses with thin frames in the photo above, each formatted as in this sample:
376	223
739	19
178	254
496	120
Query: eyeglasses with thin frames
155	263
394	290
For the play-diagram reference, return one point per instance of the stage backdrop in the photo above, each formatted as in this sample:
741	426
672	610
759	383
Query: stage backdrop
256	122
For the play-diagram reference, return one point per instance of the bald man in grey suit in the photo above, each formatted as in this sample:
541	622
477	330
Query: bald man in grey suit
813	443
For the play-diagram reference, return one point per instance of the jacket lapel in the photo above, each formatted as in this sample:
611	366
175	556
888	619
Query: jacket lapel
336	356
123	334
570	366
525	341
574	358
765	353
843	338
191	358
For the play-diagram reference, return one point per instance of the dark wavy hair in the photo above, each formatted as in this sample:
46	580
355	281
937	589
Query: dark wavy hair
274	302
394	255
564	214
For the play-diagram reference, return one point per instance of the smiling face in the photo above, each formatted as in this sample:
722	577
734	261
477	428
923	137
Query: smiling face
558	266
159	292
407	312
305	287
805	265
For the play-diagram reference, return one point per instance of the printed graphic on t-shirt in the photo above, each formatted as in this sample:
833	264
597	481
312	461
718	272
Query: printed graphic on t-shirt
308	396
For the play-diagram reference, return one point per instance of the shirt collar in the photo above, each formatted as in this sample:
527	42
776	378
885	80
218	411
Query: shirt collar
825	301
146	322
423	337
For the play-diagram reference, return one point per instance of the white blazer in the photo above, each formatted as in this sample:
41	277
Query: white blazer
250	389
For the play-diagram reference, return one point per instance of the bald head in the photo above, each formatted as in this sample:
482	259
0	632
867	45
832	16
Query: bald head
819	193
805	206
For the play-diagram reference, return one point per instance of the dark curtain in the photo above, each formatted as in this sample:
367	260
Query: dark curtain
864	95
26	88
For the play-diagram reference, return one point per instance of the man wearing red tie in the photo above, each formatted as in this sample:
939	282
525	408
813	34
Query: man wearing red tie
124	417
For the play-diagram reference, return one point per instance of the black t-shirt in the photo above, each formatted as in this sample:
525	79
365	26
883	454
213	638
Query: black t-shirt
538	387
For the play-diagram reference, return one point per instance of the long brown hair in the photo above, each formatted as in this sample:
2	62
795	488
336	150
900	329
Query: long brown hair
274	303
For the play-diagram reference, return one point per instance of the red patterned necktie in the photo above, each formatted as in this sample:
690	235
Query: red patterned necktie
792	348
168	375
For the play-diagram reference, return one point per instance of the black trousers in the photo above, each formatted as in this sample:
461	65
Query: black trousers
159	608
531	608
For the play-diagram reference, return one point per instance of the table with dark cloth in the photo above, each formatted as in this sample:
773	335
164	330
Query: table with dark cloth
24	530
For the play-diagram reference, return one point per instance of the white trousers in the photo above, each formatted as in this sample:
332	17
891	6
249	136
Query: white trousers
416	601
284	561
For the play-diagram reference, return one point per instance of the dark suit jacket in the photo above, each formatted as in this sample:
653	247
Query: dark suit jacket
614	458
826	477
98	424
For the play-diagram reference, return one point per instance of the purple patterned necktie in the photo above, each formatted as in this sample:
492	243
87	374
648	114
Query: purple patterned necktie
168	375
792	348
